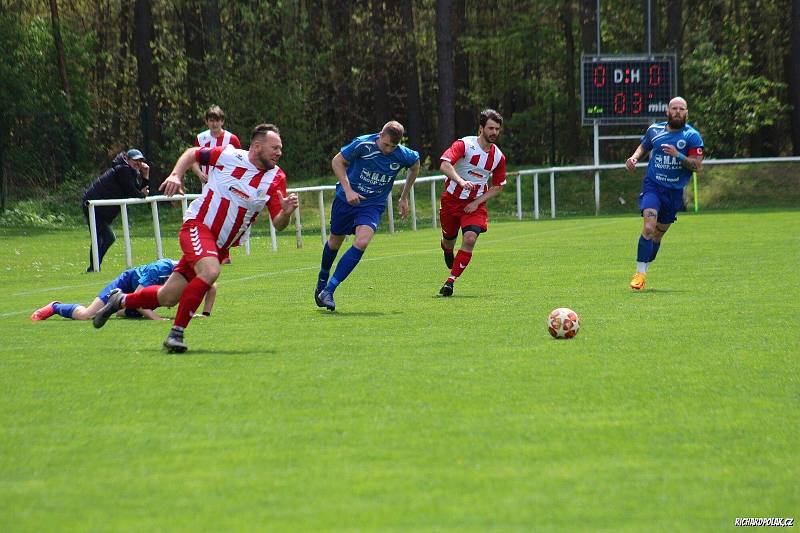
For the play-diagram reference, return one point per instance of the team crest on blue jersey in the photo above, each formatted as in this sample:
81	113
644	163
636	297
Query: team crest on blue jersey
681	144
395	166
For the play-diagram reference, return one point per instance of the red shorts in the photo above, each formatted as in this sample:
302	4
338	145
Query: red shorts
453	217
197	242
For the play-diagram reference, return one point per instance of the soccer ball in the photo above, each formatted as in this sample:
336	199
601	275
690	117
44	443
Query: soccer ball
563	323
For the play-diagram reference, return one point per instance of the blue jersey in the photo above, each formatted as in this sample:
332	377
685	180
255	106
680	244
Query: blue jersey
371	172
664	169
155	273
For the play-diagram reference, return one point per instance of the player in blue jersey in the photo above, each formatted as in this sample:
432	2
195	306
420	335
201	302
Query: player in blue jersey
155	273
677	152
366	169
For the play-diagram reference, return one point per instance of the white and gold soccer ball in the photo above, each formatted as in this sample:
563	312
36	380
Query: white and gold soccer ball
563	323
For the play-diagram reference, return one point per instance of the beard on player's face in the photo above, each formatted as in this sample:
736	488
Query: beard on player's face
676	122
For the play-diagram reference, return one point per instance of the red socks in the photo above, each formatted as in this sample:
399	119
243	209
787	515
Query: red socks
146	298
460	263
192	295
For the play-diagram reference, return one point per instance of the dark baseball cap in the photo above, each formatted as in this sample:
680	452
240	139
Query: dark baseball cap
135	154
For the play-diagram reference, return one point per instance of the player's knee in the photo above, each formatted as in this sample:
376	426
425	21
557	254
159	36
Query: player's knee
469	239
168	298
361	243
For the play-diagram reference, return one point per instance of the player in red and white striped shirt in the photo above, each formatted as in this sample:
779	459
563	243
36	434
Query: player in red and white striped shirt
476	171
212	137
243	184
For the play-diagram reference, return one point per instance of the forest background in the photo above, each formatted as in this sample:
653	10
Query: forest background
80	80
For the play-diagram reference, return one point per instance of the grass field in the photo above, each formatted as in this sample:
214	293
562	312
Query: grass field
677	408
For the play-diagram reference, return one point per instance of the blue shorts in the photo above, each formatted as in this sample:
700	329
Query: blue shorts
345	217
663	199
124	282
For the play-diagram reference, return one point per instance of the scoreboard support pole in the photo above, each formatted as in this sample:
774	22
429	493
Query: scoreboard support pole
596	124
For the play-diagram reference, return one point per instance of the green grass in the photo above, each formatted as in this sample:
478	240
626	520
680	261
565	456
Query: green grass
677	408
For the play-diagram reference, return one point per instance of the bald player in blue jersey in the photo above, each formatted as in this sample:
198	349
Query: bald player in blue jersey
677	152
366	169
155	273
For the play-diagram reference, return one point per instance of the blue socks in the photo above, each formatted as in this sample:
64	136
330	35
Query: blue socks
65	310
656	246
346	265
328	256
644	252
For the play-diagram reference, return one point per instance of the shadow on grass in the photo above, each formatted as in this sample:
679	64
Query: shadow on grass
357	313
456	296
200	351
663	291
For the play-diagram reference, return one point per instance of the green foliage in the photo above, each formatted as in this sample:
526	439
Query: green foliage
48	134
311	68
728	102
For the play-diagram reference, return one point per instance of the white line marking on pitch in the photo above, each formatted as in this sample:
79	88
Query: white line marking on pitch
316	267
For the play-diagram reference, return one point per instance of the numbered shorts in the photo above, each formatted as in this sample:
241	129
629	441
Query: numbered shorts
665	200
197	242
453	217
124	282
345	217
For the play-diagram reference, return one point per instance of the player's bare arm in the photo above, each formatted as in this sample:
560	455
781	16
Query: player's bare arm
199	173
174	182
493	191
288	205
692	163
630	163
411	177
447	169
339	165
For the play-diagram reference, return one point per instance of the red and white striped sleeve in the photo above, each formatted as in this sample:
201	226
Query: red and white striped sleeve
235	141
499	173
454	153
274	202
208	156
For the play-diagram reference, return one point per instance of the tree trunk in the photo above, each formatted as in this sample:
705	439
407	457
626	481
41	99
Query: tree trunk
413	124
464	114
445	130
588	26
381	111
571	126
147	80
212	45
673	38
59	44
65	88
195	64
794	76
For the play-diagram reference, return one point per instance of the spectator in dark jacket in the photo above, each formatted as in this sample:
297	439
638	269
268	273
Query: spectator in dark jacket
127	178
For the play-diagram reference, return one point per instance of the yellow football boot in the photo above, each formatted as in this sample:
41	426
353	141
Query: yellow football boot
637	283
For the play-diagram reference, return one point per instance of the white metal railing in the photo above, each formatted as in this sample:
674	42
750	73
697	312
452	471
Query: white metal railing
534	172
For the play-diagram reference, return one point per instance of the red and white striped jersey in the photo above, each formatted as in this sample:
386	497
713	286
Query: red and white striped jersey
235	194
473	164
204	139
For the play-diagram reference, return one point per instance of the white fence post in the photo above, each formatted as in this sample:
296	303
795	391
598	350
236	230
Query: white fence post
390	209
93	232
519	197
157	230
552	195
412	200
272	236
536	196
433	204
597	193
322	216
298	228
126	234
